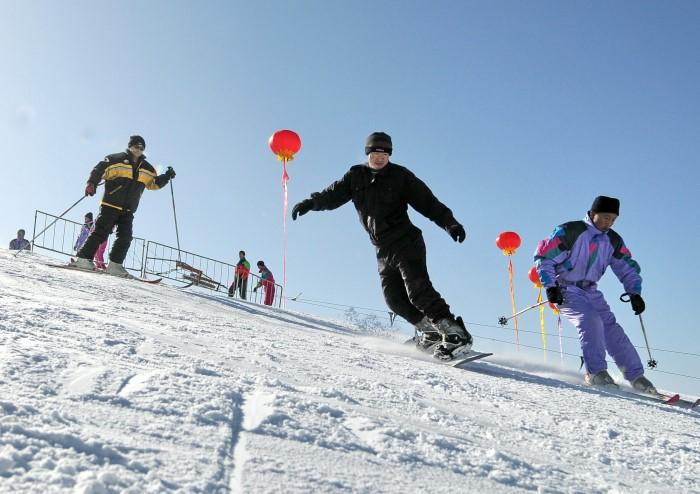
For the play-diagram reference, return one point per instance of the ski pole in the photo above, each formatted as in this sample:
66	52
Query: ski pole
31	242
503	320
627	297
177	233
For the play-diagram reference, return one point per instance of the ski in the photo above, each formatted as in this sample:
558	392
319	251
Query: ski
456	362
470	357
99	271
673	399
676	400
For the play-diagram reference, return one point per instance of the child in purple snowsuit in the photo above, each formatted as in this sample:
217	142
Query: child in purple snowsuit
85	231
570	263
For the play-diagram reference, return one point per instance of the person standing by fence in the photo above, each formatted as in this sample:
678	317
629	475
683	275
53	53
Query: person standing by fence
20	243
240	279
267	281
85	231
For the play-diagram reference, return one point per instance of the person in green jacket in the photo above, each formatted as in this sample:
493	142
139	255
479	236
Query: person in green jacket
240	279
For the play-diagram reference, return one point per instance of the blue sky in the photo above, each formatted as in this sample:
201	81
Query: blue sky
517	114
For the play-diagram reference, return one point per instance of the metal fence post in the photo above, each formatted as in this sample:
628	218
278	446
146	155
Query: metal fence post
144	252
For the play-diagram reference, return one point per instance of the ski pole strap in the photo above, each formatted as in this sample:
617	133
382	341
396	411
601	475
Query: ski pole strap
626	297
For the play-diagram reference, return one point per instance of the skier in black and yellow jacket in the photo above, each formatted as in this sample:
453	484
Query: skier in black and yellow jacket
126	175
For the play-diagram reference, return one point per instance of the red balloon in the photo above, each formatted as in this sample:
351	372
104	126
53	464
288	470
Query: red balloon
534	277
508	242
285	144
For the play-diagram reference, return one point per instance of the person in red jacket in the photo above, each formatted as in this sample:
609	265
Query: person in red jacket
240	279
267	281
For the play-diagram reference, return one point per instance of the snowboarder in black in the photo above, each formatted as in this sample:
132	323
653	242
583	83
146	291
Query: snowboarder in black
126	175
381	192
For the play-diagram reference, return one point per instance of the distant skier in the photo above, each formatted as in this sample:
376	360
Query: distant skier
381	192
240	279
126	175
85	231
267	281
570	264
20	243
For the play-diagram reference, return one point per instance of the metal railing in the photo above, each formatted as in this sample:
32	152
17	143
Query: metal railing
190	269
148	257
62	235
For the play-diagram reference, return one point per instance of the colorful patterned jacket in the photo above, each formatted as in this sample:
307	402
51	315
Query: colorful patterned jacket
84	234
266	279
577	252
242	269
20	244
125	180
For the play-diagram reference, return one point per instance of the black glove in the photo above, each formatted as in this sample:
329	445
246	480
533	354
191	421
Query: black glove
457	232
170	173
555	295
255	289
637	302
301	208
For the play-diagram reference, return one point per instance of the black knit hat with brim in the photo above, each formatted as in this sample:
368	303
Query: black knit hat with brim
604	204
136	141
378	142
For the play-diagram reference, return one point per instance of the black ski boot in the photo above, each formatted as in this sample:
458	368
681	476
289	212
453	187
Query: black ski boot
426	335
456	340
601	379
644	385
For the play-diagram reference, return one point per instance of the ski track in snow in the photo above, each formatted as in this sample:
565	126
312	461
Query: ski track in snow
111	386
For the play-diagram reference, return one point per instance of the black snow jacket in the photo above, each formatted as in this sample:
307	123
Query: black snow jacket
125	179
381	200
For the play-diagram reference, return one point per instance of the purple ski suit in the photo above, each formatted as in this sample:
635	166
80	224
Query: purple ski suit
576	256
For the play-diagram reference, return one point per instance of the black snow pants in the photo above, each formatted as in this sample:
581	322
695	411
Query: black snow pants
110	217
406	284
241	284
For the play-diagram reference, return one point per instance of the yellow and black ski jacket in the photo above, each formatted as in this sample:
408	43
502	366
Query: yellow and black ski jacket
125	179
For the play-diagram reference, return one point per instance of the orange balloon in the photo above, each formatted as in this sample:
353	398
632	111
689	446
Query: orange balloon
508	242
285	144
534	277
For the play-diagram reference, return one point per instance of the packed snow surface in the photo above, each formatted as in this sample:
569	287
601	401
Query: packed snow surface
110	385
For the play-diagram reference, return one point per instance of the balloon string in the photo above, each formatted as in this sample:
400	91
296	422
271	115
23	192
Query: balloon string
285	179
512	301
542	331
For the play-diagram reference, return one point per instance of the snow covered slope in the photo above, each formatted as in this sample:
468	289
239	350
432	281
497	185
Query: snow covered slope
110	385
